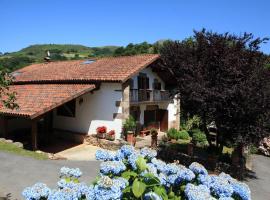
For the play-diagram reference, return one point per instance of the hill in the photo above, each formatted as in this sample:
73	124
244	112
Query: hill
36	53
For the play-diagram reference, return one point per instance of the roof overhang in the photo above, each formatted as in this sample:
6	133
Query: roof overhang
34	100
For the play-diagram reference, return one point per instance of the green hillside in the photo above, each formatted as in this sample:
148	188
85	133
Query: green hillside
36	53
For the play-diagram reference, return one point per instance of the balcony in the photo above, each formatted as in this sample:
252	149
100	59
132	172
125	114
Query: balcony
142	95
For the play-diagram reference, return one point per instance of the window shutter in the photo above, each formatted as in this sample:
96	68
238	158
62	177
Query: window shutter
147	83
139	82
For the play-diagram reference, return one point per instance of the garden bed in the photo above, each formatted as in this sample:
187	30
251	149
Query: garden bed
103	143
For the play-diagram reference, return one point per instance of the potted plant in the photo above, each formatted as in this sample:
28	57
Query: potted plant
101	132
154	137
110	135
129	129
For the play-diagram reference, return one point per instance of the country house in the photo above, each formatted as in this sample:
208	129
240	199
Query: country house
79	96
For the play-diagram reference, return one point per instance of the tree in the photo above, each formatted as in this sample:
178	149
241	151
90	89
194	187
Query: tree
7	98
223	78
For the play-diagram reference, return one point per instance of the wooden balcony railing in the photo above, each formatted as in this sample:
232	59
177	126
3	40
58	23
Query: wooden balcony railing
142	95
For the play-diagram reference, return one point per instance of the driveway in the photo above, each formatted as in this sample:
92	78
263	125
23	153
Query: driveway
259	180
18	172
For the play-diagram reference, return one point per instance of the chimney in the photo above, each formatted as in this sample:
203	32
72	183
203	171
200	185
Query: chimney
47	58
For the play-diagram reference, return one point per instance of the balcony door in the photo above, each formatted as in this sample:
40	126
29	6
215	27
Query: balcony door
143	87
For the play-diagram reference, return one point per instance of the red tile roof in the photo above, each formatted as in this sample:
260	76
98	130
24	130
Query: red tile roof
105	69
36	99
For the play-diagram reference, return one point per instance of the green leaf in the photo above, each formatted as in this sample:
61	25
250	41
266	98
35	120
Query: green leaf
128	174
141	163
161	191
138	188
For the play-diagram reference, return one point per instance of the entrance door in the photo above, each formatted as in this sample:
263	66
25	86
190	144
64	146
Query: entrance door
163	118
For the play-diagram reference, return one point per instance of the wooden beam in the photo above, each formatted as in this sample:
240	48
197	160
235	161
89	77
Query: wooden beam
5	127
34	135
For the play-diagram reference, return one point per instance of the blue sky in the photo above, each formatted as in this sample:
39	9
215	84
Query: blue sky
119	22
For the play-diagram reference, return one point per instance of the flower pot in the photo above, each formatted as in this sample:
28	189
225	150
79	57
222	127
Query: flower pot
130	137
101	135
190	148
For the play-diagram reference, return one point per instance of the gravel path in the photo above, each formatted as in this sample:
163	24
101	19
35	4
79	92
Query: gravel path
17	172
259	180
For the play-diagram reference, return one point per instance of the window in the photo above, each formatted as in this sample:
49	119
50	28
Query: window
156	85
68	109
143	81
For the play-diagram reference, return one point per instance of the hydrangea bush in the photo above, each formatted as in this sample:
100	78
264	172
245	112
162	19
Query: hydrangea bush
130	174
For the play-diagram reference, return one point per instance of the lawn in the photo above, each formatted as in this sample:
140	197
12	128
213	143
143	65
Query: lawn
8	147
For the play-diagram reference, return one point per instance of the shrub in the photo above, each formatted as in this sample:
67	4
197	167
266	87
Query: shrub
172	133
193	123
101	129
199	137
130	124
183	135
132	174
110	135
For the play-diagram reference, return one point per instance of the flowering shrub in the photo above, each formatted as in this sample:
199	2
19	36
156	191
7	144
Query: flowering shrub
110	135
131	174
101	129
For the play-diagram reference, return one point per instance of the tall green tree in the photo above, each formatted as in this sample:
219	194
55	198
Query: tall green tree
223	78
7	97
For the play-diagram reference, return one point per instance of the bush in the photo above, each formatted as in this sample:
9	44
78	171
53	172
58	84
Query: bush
199	137
130	174
193	123
183	135
130	124
172	133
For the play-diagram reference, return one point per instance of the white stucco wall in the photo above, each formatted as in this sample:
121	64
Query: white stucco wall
151	75
96	110
170	106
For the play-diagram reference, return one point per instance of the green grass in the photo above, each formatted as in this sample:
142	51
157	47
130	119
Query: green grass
22	152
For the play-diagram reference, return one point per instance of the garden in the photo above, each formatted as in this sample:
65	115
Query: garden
138	174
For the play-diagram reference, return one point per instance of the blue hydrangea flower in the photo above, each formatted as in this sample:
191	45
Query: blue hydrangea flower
172	179
127	150
64	184
148	153
185	174
70	172
160	165
221	187
226	176
132	158
119	156
120	182
171	169
90	194
152	196
105	155
197	168
225	198
200	192
108	189
37	191
242	190
163	180
112	167
205	180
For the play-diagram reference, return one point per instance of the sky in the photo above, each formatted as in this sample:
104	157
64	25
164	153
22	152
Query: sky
120	22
